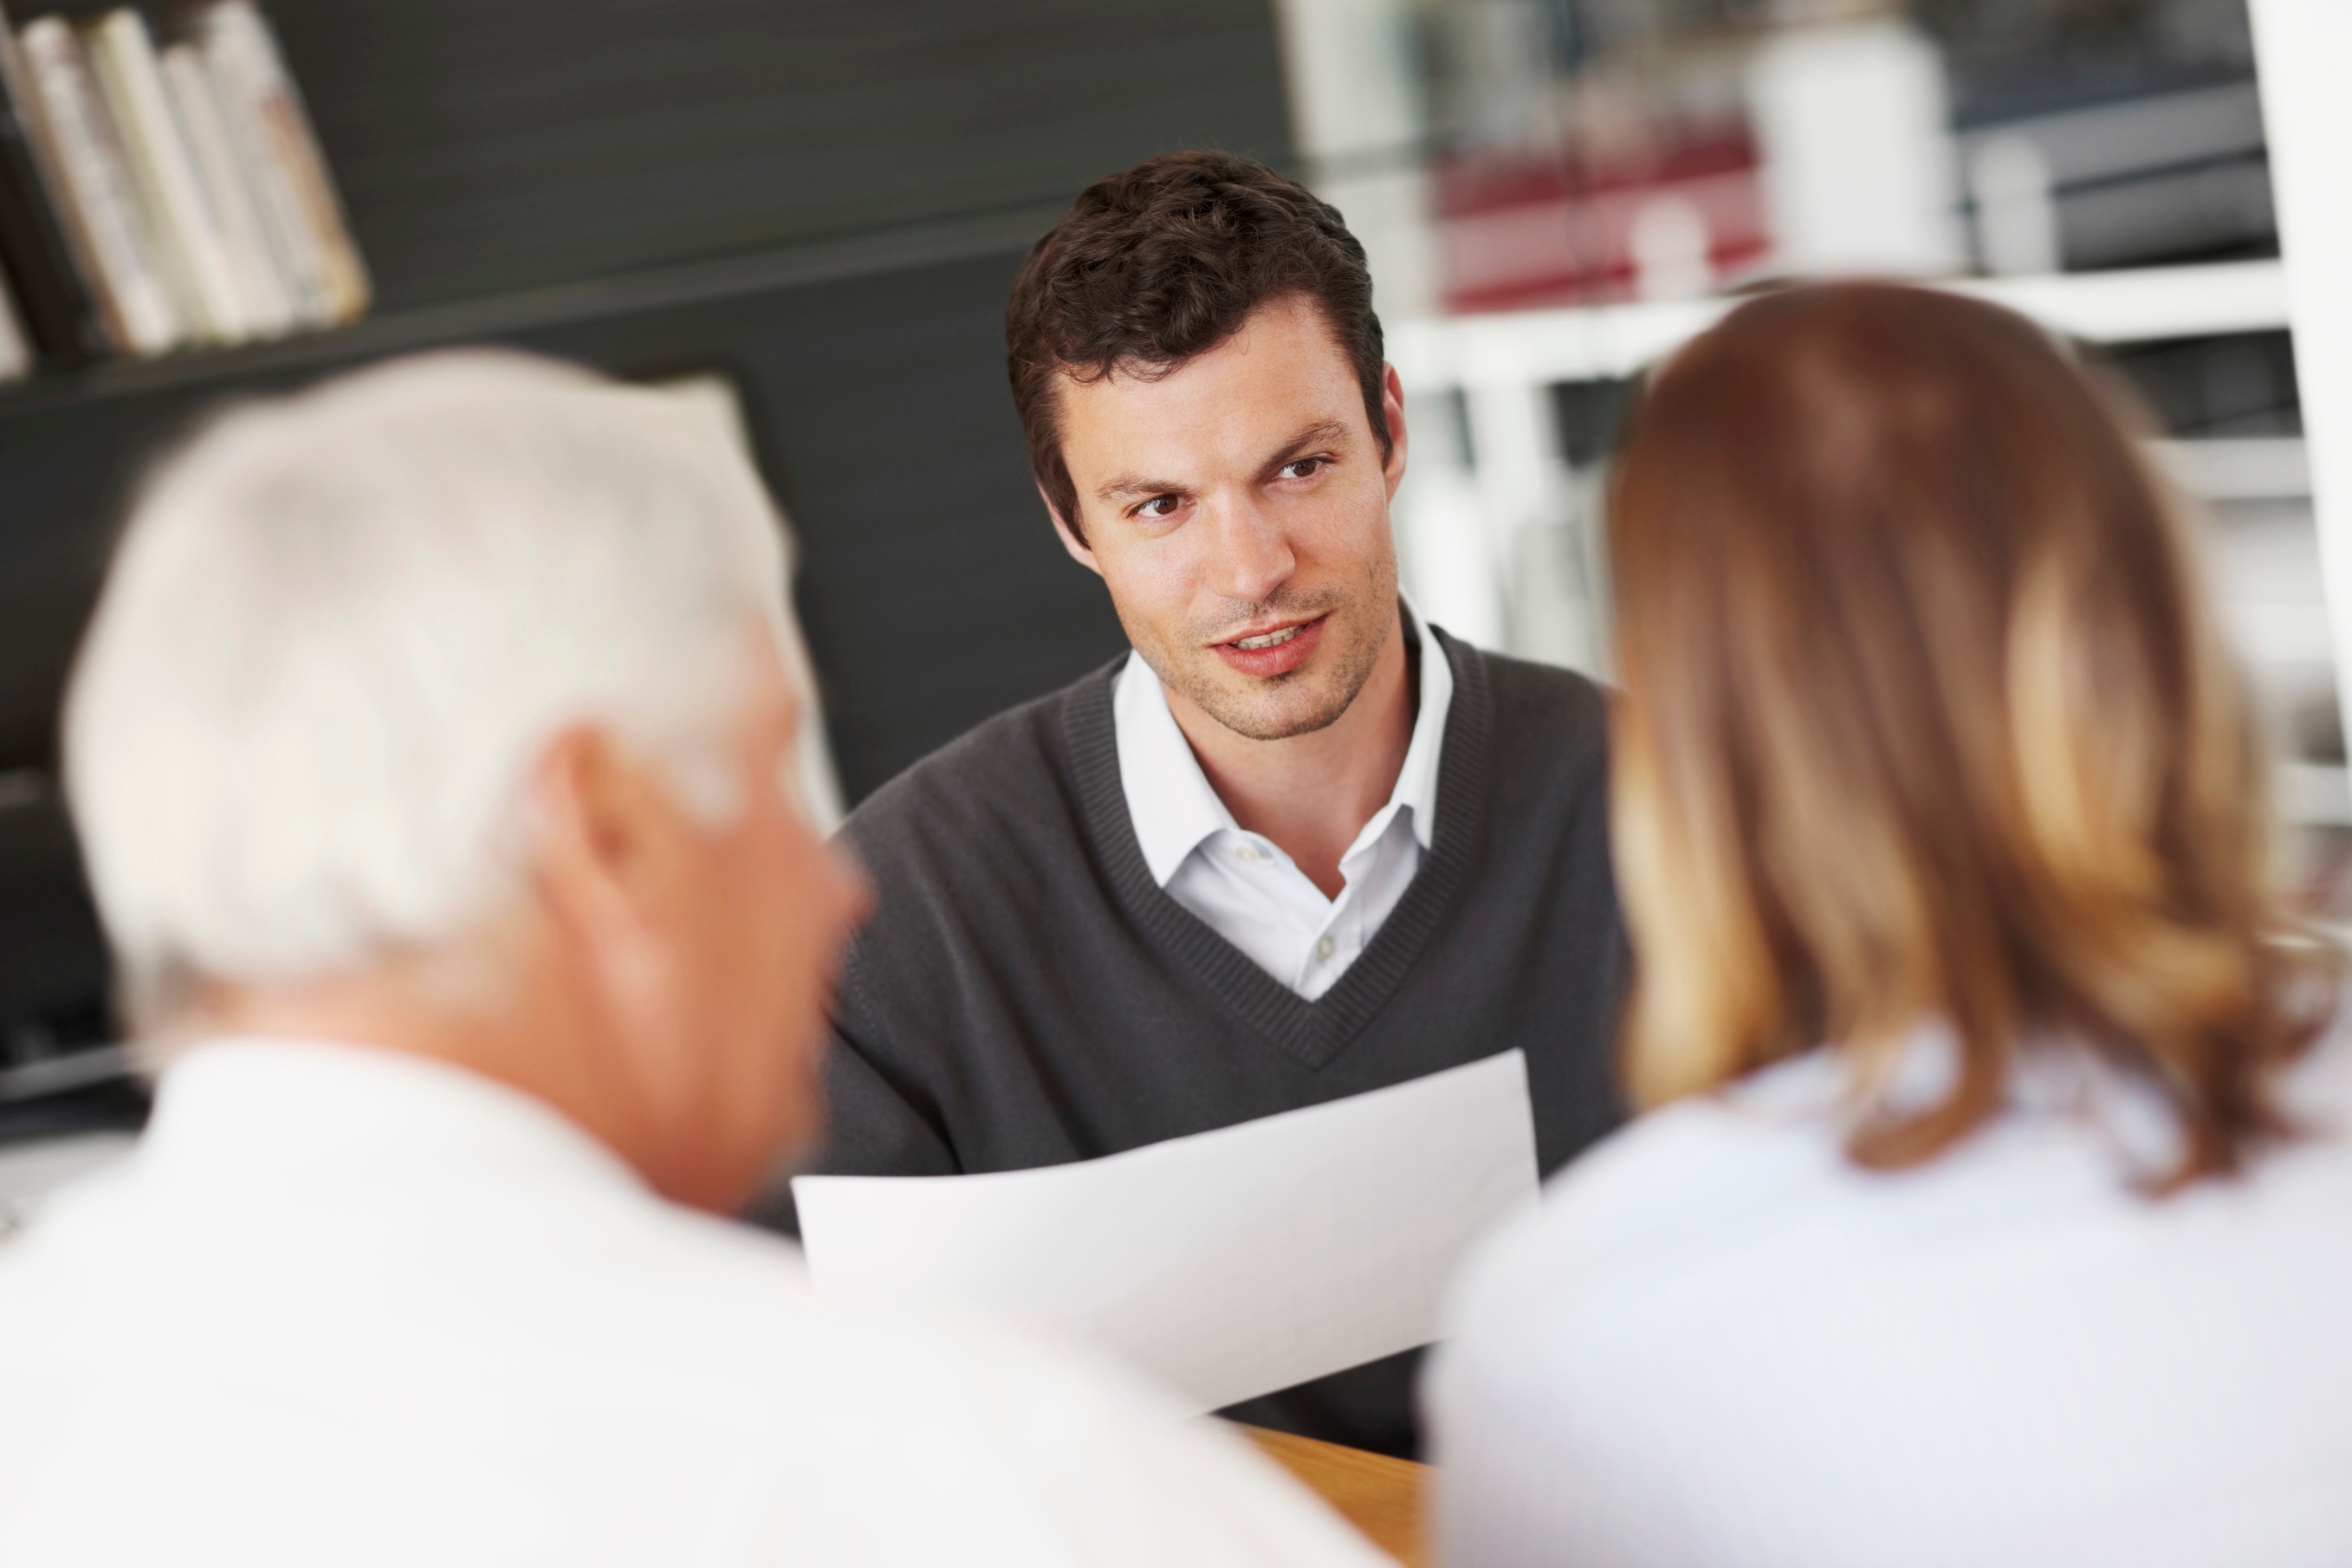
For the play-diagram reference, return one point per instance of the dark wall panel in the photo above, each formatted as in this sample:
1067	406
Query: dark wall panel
62	470
932	586
488	145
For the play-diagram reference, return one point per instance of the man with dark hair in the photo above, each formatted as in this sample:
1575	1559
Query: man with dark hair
1299	845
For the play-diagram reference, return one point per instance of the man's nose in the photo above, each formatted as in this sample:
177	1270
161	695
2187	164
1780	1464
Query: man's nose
1254	558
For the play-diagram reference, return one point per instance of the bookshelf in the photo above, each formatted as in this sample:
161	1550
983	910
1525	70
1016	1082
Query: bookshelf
502	317
826	200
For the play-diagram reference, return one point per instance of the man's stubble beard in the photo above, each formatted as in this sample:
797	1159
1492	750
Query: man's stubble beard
1338	669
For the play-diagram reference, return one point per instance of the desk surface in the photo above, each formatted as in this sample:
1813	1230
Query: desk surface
1380	1496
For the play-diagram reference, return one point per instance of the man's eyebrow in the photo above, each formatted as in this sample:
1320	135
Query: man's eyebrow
1112	488
1324	433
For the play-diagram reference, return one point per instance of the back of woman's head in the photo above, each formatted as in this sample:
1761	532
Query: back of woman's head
1924	717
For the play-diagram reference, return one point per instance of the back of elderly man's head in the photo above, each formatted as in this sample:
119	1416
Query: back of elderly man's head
340	626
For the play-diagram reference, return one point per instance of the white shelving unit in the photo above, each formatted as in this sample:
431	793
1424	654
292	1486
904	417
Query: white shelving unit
1536	348
1499	532
2303	49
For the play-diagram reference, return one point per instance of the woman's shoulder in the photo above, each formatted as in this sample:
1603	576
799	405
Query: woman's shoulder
1560	1317
1694	1175
1755	1180
1722	1267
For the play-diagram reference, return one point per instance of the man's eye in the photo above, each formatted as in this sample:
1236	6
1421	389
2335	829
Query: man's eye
1305	468
1159	506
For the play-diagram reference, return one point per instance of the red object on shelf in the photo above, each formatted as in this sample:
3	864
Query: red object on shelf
1532	229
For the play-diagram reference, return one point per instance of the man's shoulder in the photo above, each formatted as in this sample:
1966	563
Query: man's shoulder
726	1296
1011	770
1687	1215
1022	1452
1539	719
1035	1444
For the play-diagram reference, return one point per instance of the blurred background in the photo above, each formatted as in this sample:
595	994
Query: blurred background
1556	192
1575	152
815	207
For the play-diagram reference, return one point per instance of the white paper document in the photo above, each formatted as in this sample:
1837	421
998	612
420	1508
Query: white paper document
1225	1265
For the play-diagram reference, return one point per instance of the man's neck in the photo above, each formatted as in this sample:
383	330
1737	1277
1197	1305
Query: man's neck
1312	794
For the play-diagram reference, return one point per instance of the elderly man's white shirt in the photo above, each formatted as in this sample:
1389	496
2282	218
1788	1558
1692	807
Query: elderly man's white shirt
1242	884
349	1307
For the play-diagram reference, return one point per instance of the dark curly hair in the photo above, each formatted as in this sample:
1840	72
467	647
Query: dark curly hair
1162	263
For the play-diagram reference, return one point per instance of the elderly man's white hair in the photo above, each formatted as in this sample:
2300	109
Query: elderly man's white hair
343	626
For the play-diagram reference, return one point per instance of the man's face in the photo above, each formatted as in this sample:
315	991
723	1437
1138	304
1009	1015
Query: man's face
754	928
1237	509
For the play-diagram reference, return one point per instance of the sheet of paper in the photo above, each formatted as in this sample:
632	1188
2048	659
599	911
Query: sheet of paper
1225	1265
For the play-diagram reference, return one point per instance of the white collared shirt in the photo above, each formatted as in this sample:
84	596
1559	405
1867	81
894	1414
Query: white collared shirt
348	1306
1242	884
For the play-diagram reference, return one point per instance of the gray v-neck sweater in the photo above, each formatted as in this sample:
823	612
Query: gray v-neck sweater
1026	995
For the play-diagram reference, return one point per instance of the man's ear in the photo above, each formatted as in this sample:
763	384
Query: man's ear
1393	410
605	837
1071	541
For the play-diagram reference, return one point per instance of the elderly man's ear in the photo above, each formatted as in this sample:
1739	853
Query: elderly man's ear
612	855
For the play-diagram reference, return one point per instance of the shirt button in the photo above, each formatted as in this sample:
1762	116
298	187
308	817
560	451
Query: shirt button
1248	852
1324	948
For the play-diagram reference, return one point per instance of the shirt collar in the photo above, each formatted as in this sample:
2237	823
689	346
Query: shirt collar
1170	800
1416	785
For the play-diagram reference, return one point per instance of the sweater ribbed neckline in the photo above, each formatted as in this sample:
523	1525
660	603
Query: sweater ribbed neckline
1313	1032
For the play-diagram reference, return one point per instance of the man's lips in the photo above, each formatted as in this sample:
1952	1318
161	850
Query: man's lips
1285	647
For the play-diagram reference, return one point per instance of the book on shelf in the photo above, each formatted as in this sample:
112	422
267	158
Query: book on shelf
100	199
189	242
227	192
16	345
298	198
43	264
153	198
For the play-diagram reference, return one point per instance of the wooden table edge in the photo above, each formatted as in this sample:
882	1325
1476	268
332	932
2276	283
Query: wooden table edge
1385	1499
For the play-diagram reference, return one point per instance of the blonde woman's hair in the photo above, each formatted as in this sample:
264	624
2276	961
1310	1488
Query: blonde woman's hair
1923	717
